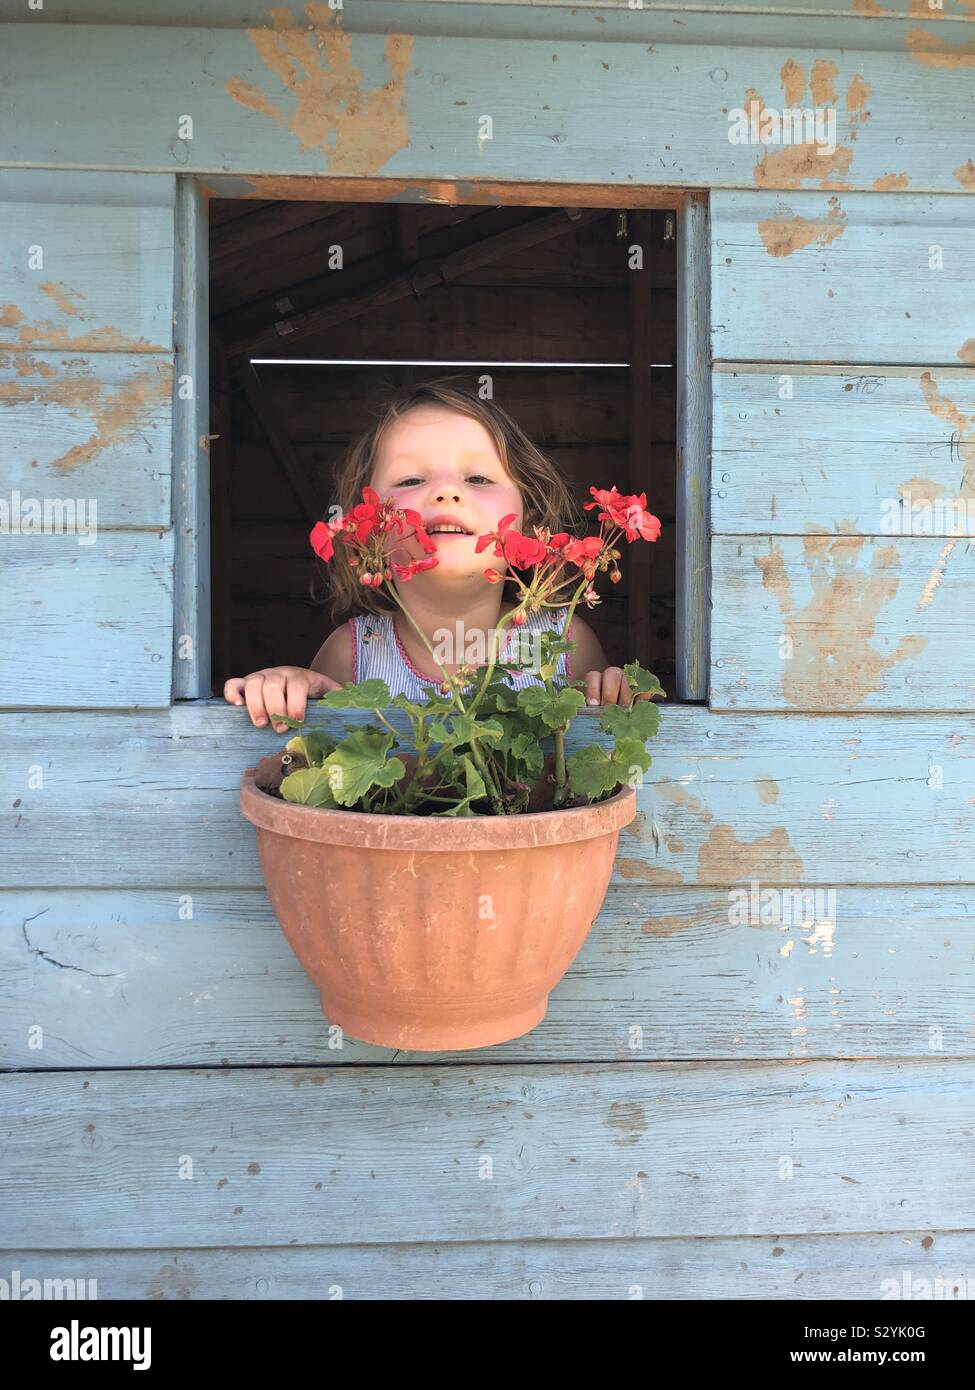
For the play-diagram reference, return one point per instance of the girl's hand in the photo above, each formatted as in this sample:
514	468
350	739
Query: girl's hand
609	687
277	690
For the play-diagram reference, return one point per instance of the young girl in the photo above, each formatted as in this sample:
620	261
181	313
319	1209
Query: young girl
463	464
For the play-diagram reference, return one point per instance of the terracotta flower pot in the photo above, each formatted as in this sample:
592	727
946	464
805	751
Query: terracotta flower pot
433	934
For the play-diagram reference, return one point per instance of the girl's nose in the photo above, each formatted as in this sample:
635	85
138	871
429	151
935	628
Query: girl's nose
448	492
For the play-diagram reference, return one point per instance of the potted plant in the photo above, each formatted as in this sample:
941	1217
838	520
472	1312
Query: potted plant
437	891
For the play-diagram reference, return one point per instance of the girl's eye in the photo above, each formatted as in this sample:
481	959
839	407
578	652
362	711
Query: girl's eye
407	482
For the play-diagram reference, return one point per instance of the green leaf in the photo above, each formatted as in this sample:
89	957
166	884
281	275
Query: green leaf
437	704
360	763
309	786
475	782
642	682
466	729
314	746
370	694
640	719
594	772
630	756
557	711
591	772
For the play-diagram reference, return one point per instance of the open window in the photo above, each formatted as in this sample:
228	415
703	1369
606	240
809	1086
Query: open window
318	310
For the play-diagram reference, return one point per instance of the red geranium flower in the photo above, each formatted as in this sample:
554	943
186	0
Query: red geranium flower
365	528
629	512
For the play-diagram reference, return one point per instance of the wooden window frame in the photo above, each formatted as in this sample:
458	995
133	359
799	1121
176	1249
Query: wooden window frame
191	404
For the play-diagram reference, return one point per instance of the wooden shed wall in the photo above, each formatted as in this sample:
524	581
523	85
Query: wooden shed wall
804	1101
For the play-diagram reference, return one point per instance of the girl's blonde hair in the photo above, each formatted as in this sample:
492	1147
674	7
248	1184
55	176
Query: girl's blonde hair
546	496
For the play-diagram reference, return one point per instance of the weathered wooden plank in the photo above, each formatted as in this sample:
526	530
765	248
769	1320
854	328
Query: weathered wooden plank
843	623
843	277
96	426
99	187
418	97
876	451
230	12
792	799
874	1265
173	978
61	291
191	439
90	617
125	1160
693	376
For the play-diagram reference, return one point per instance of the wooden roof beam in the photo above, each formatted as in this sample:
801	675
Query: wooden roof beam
420	277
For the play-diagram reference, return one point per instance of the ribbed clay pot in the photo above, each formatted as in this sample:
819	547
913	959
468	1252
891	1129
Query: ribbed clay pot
433	934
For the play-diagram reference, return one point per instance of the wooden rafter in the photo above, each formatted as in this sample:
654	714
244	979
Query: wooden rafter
420	277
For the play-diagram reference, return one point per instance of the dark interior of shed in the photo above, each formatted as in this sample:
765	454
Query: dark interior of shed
353	300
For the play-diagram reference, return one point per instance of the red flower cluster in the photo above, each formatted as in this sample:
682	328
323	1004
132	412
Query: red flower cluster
548	552
366	527
628	512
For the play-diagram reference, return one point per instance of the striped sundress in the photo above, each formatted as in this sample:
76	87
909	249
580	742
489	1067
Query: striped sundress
377	652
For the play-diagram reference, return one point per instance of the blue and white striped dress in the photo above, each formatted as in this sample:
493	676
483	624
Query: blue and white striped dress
377	652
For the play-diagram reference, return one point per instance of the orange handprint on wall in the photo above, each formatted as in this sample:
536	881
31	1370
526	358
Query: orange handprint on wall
793	164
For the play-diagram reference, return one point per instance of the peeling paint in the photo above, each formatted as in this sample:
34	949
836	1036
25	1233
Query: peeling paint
964	428
821	935
677	793
667	926
936	576
965	174
966	352
921	489
62	295
888	182
450	192
831	635
629	1119
945	409
648	873
784	235
116	411
44	334
724	858
356	130
935	52
768	790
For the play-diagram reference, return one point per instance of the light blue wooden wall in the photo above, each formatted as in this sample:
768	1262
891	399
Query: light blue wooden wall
844	422
799	1096
86	386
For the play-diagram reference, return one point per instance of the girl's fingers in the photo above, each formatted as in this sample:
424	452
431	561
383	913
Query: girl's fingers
233	690
274	698
612	680
297	695
254	698
593	687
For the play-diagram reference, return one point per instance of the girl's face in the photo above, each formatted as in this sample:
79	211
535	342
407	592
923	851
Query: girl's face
444	465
